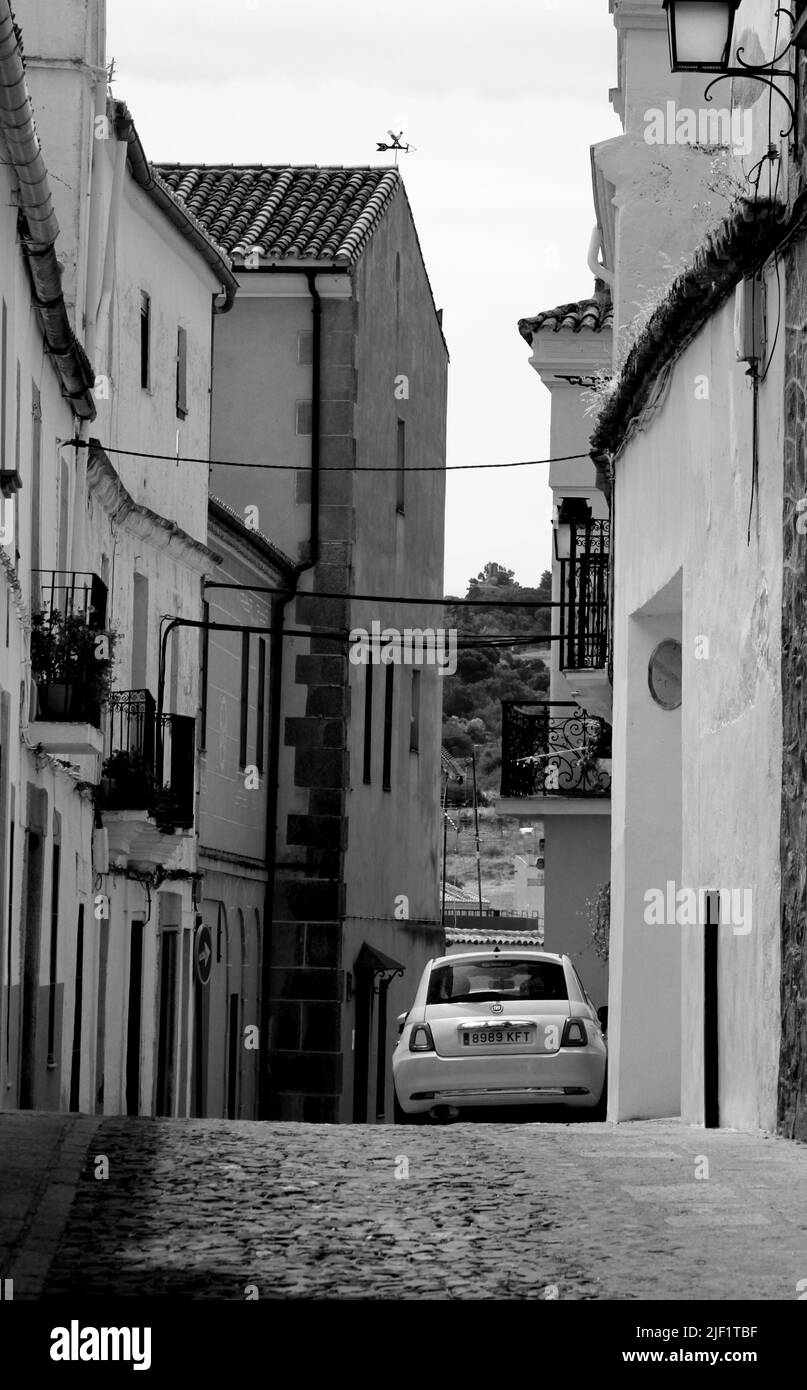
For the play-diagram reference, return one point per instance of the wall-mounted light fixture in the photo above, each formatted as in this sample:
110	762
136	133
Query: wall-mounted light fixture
572	510
701	34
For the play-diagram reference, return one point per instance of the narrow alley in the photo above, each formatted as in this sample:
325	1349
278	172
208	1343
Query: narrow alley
233	1210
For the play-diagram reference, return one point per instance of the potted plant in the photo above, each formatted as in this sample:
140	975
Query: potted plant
127	780
71	664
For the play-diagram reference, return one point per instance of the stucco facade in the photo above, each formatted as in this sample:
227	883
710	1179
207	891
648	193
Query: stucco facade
100	875
570	347
696	493
382	373
684	486
233	805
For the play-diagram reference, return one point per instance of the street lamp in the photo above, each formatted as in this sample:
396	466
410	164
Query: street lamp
700	34
571	511
562	532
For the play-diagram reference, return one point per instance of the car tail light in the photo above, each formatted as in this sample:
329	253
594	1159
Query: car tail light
574	1033
420	1039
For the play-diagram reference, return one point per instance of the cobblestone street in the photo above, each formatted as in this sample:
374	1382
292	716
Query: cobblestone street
206	1209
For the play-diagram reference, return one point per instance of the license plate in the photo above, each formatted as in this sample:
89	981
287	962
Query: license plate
495	1037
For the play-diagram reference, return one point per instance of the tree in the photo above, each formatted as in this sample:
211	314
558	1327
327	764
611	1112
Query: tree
492	575
487	675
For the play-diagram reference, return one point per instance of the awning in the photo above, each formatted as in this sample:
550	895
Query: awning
375	961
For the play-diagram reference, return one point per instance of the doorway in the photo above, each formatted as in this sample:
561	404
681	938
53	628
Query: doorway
711	1054
133	1019
166	1046
373	972
233	1050
31	924
361	1041
75	1066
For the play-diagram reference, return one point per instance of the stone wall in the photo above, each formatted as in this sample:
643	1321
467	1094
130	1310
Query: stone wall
792	1098
307	980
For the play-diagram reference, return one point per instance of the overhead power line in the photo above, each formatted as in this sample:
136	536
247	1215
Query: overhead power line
391	598
342	634
392	469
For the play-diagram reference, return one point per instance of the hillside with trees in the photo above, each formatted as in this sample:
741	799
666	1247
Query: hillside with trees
487	674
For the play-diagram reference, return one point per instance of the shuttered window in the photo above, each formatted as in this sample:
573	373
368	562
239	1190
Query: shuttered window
182	373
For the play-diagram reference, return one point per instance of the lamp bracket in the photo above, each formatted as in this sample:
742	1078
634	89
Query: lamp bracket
765	75
767	72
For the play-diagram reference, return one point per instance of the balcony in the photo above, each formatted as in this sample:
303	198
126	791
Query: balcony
584	627
584	597
73	593
71	660
148	777
554	754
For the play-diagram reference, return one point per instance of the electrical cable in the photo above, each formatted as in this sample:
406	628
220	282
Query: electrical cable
324	468
393	598
493	640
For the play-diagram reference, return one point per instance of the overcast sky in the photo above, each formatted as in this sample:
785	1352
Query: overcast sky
502	99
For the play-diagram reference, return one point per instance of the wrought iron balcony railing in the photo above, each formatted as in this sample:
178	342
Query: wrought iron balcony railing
584	597
70	593
554	750
69	665
150	761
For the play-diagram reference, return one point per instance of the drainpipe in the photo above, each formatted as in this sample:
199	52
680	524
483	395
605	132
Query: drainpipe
595	265
279	607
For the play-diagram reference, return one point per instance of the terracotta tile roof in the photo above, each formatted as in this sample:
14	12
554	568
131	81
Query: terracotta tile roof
286	212
226	515
596	313
462	937
458	895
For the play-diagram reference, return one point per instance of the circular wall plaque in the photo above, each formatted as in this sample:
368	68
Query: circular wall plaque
664	674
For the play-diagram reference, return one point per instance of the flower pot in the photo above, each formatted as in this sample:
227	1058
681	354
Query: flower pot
56	701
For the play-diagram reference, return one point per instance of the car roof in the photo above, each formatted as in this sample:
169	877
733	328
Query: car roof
526	954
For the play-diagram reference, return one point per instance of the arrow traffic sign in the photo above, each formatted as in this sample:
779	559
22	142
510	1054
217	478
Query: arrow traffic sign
204	955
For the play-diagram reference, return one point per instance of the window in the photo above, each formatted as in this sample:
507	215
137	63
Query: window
389	688
54	938
62	540
242	755
18	411
140	629
261	703
484	979
368	722
36	478
182	373
305	348
414	714
400	501
664	674
145	341
305	417
205	672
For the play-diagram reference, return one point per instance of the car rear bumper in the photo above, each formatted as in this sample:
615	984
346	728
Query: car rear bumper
426	1079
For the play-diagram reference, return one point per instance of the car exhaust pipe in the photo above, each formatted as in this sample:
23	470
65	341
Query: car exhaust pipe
444	1113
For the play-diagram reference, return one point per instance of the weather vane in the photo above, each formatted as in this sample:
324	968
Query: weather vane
396	145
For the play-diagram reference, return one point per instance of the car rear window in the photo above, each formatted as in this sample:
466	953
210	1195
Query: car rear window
496	979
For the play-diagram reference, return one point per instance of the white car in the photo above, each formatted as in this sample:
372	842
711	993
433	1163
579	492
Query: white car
506	1028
